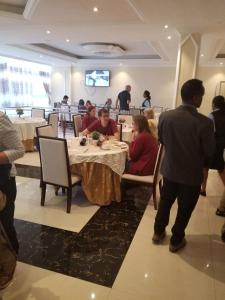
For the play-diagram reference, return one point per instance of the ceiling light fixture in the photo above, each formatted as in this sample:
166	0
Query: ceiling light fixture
221	63
169	37
166	26
202	55
48	31
95	9
40	56
67	40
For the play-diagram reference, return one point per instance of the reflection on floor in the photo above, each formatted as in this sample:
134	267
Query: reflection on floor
147	271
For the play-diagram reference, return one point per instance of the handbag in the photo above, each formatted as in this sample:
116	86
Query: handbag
5	173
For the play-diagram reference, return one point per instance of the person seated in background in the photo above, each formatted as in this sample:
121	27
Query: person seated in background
147	99
143	150
150	116
104	125
108	103
81	106
89	118
65	100
88	104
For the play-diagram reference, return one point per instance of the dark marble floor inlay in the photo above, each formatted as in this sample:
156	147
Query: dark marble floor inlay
28	171
94	254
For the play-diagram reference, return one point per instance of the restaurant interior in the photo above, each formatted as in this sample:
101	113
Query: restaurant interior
84	219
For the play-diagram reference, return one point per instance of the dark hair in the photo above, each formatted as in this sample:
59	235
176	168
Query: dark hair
103	111
81	102
90	108
219	102
191	88
141	123
65	97
147	94
88	102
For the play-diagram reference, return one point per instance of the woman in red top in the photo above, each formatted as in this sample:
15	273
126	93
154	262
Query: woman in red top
89	118
143	150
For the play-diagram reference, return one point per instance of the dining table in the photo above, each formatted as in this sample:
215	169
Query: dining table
26	128
100	168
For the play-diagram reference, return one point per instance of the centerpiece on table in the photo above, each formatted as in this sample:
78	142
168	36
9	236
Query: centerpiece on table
96	138
122	121
19	112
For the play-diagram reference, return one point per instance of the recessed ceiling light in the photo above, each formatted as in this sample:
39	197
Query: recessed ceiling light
202	55
95	9
67	40
166	26
40	56
169	37
48	31
121	64
221	63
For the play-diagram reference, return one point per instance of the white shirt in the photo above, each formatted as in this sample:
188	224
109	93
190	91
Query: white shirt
10	143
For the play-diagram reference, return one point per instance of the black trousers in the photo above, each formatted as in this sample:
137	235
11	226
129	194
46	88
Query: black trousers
187	198
7	215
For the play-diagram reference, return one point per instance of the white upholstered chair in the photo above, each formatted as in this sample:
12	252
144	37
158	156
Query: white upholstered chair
77	124
135	111
53	120
46	130
38	113
55	167
152	180
128	119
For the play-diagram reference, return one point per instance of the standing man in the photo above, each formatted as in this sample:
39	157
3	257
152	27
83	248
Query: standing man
11	148
124	99
188	139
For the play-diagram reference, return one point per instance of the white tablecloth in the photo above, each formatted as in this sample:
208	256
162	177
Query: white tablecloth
26	126
114	158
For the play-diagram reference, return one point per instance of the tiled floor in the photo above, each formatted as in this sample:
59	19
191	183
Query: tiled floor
147	272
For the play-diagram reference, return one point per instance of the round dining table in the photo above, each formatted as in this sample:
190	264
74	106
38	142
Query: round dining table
26	128
100	169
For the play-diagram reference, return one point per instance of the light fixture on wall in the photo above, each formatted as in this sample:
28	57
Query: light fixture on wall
221	63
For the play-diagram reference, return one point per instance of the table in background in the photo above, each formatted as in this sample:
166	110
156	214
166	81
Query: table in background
26	128
100	170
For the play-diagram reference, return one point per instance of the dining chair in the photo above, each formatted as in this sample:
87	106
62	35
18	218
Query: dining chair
135	111
128	118
45	130
55	167
53	119
152	180
77	124
38	113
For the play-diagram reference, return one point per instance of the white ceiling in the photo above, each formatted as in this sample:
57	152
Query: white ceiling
136	25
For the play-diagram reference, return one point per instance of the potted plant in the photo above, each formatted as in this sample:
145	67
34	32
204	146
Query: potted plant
19	112
95	137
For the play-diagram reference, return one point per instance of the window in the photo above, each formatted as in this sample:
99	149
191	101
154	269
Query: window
24	83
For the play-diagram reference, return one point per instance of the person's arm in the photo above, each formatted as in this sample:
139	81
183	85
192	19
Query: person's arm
115	130
10	141
128	98
91	128
117	101
135	149
208	142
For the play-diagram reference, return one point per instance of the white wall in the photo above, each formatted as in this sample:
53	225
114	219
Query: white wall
60	83
159	80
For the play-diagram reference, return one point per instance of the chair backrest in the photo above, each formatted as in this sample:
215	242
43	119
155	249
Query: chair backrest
65	113
77	124
135	111
128	119
120	128
38	113
53	119
46	130
156	175
55	168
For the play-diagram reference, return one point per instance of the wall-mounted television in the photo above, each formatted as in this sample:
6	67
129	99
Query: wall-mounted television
97	78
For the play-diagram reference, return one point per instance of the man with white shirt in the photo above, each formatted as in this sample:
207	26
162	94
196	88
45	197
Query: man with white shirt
11	148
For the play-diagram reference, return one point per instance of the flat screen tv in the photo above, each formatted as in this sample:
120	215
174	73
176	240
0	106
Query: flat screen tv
97	78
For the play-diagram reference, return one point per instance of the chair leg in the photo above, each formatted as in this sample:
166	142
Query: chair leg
122	191
69	199
154	198
63	190
43	193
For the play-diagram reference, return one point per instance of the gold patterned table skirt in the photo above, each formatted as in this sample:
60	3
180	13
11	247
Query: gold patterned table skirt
100	184
28	145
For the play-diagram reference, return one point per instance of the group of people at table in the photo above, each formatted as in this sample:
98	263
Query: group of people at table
144	146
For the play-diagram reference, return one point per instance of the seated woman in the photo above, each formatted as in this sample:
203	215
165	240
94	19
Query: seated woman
143	150
89	118
88	104
104	125
81	106
150	116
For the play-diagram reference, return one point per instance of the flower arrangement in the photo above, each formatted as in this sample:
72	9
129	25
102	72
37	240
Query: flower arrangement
121	121
96	135
19	112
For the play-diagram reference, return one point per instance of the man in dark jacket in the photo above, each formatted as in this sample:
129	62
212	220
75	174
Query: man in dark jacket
188	139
